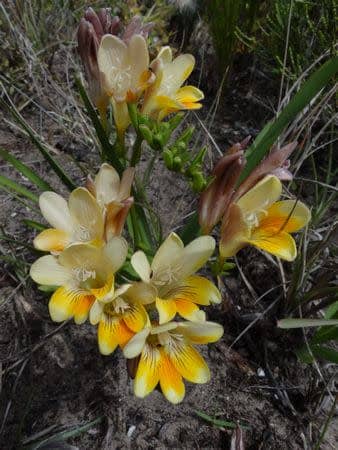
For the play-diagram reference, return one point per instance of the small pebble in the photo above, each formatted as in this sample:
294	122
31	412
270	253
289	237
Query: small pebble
260	372
131	430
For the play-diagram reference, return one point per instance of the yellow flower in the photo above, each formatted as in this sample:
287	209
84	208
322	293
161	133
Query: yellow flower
177	290
83	273
167	355
124	72
120	315
166	95
259	219
80	220
113	196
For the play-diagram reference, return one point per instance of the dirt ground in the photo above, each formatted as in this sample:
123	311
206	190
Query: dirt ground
53	377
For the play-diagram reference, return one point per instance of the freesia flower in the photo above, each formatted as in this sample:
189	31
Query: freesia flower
171	274
124	72
82	273
79	220
259	219
120	314
113	196
167	95
167	355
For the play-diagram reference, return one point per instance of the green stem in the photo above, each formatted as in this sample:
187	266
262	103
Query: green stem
136	154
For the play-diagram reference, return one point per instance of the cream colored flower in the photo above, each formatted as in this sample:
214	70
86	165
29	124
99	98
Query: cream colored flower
167	355
167	95
171	274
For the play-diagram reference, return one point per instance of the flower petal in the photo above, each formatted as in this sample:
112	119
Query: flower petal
234	232
136	344
111	333
200	332
86	214
107	184
170	250
189	94
195	255
116	251
197	290
176	72
286	215
141	265
66	303
111	53
138	59
170	380
147	375
166	310
47	271
188	362
126	183
261	196
135	317
52	240
141	292
96	312
55	210
280	244
165	54
189	310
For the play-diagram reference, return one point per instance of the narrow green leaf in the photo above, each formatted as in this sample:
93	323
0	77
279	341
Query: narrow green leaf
218	422
331	311
270	133
325	353
25	171
18	188
35	225
107	148
191	229
303	323
40	146
325	334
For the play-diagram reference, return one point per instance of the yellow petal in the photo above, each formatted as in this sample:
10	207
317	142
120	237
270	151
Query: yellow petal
55	210
168	252
86	214
95	312
47	271
281	244
101	292
88	259
111	333
198	290
121	116
107	184
141	265
116	251
286	215
176	72
189	94
188	362
195	255
135	317
52	240
147	375
170	380
188	310
200	332
66	303
165	55
234	232
138	59
166	310
261	196
141	292
136	344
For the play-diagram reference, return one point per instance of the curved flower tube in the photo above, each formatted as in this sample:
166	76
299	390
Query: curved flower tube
167	356
259	219
166	94
82	273
79	220
177	290
120	314
113	196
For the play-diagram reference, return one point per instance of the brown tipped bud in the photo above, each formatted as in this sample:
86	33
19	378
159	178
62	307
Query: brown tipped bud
116	215
136	27
216	198
276	163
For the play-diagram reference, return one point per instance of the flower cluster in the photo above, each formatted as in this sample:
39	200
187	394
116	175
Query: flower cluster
86	254
119	71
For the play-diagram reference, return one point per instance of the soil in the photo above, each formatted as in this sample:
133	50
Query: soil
54	378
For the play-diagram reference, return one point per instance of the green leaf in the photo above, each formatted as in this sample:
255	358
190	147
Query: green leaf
325	334
108	150
25	171
35	225
270	133
303	323
191	229
218	422
325	353
40	146
18	188
331	311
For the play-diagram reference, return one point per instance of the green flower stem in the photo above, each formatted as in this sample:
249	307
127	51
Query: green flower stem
136	153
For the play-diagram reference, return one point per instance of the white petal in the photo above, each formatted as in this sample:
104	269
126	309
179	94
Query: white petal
112	54
107	184
55	210
141	292
165	55
96	312
47	271
116	250
175	73
138	58
141	265
195	255
136	344
169	252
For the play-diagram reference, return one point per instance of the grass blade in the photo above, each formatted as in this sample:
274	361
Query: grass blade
35	225
7	183
270	133
303	323
25	170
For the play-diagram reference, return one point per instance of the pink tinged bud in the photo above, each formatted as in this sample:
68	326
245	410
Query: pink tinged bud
110	25
276	163
135	26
